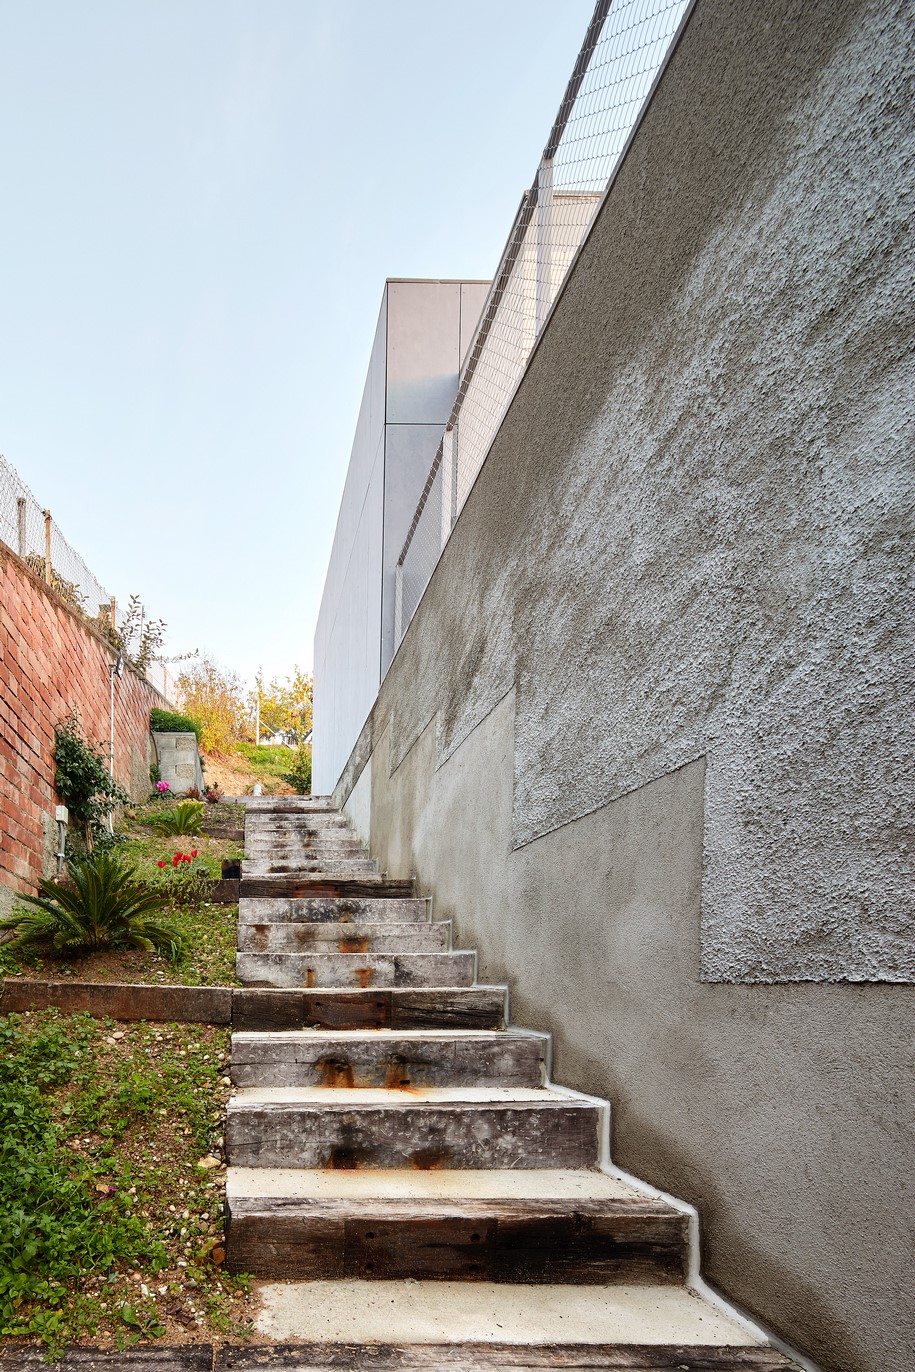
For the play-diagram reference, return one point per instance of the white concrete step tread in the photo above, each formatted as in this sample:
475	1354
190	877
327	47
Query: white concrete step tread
333	910
304	1183
454	1312
354	1096
297	936
375	971
290	1037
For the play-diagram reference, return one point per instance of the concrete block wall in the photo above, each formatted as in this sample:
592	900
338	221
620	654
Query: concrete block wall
178	756
647	739
52	662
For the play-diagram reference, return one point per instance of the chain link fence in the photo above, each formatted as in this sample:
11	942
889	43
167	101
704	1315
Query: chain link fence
31	532
620	59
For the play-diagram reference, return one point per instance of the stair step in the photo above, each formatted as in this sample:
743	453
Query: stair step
468	1356
398	1313
394	1059
333	909
401	1007
311	884
552	1226
330	866
454	1127
355	969
296	937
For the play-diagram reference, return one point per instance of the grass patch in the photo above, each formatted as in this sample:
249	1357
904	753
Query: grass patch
209	931
267	761
109	1228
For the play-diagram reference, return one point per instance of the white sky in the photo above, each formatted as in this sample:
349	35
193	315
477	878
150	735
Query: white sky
200	202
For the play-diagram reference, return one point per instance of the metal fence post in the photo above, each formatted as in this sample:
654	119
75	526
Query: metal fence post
398	604
47	545
20	521
544	267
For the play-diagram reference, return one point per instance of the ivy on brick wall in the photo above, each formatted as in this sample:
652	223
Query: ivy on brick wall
84	784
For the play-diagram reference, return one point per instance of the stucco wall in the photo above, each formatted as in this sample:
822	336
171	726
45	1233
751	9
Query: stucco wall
645	737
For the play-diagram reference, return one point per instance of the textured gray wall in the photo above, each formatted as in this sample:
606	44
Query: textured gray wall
710	453
644	736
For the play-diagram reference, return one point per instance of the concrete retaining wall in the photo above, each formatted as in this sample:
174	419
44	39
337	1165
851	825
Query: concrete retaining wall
645	738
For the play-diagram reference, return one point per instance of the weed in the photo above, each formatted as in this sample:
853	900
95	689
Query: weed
107	1223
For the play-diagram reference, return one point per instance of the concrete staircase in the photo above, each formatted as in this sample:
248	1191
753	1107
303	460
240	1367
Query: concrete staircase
401	1170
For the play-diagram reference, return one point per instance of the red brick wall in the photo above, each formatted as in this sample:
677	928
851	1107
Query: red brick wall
51	662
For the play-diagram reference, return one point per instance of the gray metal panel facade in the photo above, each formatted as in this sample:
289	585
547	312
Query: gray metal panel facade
423	333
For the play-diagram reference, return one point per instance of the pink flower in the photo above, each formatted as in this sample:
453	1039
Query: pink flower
162	787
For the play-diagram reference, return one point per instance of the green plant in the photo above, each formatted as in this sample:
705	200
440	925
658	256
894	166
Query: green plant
105	907
184	818
155	773
186	880
170	722
299	774
53	1226
138	638
83	782
82	1218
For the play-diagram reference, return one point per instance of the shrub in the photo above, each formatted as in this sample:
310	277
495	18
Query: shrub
213	794
299	774
193	793
105	907
170	722
83	782
185	818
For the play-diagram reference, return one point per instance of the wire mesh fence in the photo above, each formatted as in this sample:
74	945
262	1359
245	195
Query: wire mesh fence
622	54
31	532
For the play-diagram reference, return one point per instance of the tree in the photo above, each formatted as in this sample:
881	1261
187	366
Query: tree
214	699
287	706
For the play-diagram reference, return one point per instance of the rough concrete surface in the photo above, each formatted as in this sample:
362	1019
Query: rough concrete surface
712	451
645	738
453	1312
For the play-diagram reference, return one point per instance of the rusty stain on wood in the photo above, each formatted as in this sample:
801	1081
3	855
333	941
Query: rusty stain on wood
353	945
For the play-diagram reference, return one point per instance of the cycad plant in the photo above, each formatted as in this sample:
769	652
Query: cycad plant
185	818
104	908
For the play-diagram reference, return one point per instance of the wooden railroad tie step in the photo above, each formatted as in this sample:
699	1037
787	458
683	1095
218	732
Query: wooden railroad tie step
452	1127
567	1227
397	1007
398	1061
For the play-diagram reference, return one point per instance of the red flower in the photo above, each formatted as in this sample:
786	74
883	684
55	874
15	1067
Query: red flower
194	853
176	859
161	864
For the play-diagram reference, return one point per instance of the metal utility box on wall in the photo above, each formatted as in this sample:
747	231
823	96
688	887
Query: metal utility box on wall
423	333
